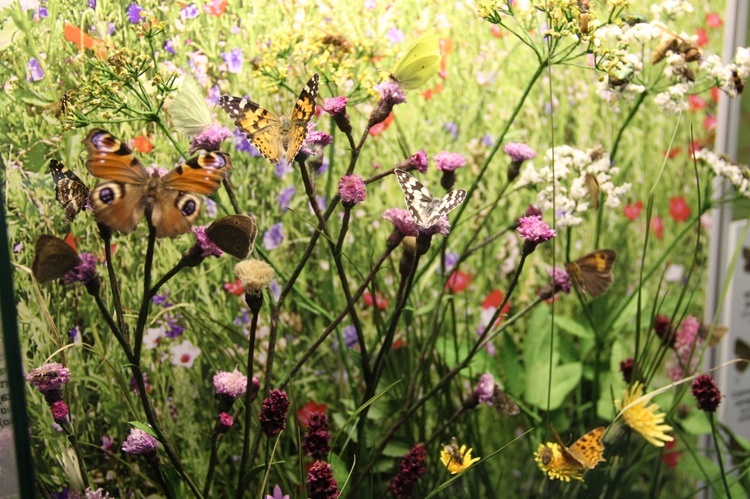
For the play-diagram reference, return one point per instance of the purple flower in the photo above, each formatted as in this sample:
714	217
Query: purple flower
111	29
189	12
134	13
324	164
43	12
273	237
108	443
273	413
449	161
224	423
18	247
534	229
243	145
214	94
35	70
335	106
161	300
487	140
285	197
316	137
210	206
518	151
74	333
207	247
59	410
283	168
442	227
417	160
320	482
92	4
706	392
451	258
173	327
275	289
411	468
402	221
231	384
243	319
395	35
277	494
560	279
48	377
452	129
485	389
352	190
391	93
233	60
146	384
139	442
349	334
317	437
210	138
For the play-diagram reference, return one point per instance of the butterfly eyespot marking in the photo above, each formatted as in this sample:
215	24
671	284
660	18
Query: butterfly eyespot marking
107	195
187	207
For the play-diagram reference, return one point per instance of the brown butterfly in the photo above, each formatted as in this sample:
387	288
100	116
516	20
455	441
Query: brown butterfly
234	234
742	351
278	138
592	185
584	453
70	191
53	258
592	273
174	198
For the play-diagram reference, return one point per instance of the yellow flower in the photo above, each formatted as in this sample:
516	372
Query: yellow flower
644	418
553	462
456	459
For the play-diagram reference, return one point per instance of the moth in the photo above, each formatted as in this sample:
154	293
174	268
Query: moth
592	273
278	138
129	189
53	258
426	209
70	191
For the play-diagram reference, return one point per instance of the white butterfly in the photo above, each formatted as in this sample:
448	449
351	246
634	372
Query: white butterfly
426	209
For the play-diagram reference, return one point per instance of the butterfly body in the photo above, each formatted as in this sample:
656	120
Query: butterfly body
70	191
277	138
592	273
130	189
426	209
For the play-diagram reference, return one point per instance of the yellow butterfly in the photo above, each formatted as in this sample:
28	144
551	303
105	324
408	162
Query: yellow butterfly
278	138
189	111
592	273
583	454
420	63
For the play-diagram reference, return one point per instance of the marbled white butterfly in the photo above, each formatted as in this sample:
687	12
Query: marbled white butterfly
426	209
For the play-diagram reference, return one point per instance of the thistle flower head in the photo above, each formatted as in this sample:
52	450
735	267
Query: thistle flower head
254	275
352	190
48	377
273	414
139	442
706	392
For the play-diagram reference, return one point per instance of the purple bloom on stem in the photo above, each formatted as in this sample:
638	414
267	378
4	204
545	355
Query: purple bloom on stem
273	414
233	59
92	4
391	93
139	442
189	12
59	410
518	151
285	197
210	138
411	468
43	12
402	221
317	138
335	106
232	384
417	160
350	336
560	279
449	161
277	494
317	437
243	319
18	247
134	13
173	327
35	70
706	392
320	482
108	443
283	168
395	35
485	389
224	423
532	211
161	300
207	247
273	237
352	190
487	140
450	260
275	289
74	333
534	229
48	377
214	94
452	129
210	206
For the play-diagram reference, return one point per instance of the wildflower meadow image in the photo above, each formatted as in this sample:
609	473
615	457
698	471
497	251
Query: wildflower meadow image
368	249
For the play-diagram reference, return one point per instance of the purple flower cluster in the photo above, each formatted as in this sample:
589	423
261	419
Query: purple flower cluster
233	58
534	229
449	161
317	436
134	13
273	237
206	245
49	377
84	271
411	469
139	442
352	190
210	138
273	414
232	384
519	152
320	482
560	279
335	106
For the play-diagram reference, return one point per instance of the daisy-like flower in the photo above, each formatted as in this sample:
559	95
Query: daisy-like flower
644	418
551	461
456	459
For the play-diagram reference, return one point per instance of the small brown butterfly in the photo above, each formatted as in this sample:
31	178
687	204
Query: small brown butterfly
70	191
278	138
592	273
712	334
584	453
174	198
234	234
742	351
592	185
53	258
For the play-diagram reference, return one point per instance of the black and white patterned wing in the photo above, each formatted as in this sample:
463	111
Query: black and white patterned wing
419	200
448	203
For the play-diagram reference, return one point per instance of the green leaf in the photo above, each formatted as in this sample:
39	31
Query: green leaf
144	427
572	326
565	377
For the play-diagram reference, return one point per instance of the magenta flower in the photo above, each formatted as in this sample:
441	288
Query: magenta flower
485	389
210	138
560	279
442	227
273	414
232	384
402	221
706	392
352	190
519	152
84	271
139	442
59	410
417	160
411	469
684	358
449	161
535	230
207	247
391	92
320	482
48	377
335	106
224	422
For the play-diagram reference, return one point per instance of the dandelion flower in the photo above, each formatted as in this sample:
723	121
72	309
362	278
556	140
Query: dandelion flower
643	418
551	460
456	459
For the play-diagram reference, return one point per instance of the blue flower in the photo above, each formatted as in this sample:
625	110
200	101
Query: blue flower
487	140
35	70
43	12
242	319
169	47
162	300
285	197
189	12
233	60
452	129
275	288
243	145
283	168
134	13
273	237
451	258
214	93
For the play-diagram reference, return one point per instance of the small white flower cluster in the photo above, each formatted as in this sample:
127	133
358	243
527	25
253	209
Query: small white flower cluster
671	9
572	193
730	78
738	175
673	101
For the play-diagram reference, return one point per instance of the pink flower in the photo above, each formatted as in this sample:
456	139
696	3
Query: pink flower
657	226
534	229
59	410
402	221
519	152
335	106
50	376
210	138
184	354
207	247
233	384
679	209
696	103
714	20
417	160
709	122
449	161
352	190
381	301
139	442
235	288
702	35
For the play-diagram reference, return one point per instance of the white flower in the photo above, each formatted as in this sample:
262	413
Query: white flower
671	8
153	336
742	60
184	354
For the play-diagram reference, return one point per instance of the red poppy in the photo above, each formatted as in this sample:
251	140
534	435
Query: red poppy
75	35
380	300
496	31
399	343
714	20
142	144
493	300
234	287
305	412
430	92
715	94
215	7
458	281
381	127
633	211
657	226
669	457
696	103
679	209
702	40
674	152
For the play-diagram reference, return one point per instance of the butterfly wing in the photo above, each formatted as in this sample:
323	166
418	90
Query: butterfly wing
419	200
201	174
447	204
592	185
234	234
189	111
110	159
589	449
258	124
119	205
70	192
592	273
53	258
746	257
174	212
419	64
304	109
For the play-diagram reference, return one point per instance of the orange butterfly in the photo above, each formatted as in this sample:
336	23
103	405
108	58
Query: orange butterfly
129	188
592	273
583	454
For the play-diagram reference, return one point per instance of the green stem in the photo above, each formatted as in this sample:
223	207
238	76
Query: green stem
248	404
712	418
616	144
